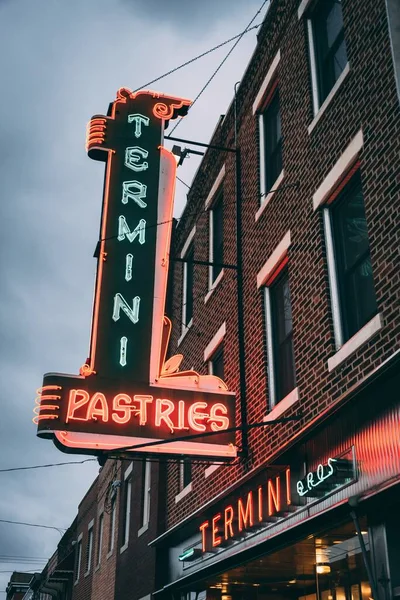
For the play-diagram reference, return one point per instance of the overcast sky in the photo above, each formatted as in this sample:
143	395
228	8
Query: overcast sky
61	62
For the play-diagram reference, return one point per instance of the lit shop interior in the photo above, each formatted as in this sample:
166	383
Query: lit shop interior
327	566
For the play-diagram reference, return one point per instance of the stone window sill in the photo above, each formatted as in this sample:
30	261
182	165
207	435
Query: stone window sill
266	199
355	342
143	529
329	98
283	405
213	286
186	490
123	548
185	330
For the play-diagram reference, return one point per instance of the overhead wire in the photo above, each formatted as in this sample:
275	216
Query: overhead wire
59	529
223	61
192	60
76	462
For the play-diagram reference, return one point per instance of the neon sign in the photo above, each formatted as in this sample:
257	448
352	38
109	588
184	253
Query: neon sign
257	507
337	472
127	392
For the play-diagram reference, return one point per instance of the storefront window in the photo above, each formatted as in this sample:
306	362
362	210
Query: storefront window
325	566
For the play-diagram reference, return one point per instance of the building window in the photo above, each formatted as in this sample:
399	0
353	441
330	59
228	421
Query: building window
89	548
100	538
346	222
145	505
216	237
281	367
78	558
272	135
327	46
126	510
112	523
185	474
188	273
216	363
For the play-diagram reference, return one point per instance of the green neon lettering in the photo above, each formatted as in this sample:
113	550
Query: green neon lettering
138	119
133	156
122	351
128	267
124	230
134	190
121	304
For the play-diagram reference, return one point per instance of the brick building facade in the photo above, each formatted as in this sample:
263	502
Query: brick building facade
317	127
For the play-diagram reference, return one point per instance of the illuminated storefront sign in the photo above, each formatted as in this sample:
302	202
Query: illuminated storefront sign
127	392
259	506
328	477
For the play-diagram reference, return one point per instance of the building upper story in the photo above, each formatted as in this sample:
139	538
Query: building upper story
316	121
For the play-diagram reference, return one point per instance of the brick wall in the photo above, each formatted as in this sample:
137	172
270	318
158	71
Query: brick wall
366	99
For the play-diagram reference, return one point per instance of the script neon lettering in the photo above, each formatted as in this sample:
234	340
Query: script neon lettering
313	480
128	267
246	516
122	403
139	120
194	416
77	399
124	230
164	408
228	529
98	407
133	156
121	304
219	421
122	350
130	193
216	539
274	496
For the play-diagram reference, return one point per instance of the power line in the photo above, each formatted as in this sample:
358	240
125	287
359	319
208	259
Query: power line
33	525
239	37
185	64
77	462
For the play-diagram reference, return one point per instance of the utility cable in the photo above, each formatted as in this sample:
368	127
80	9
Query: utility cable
33	525
223	61
188	62
77	462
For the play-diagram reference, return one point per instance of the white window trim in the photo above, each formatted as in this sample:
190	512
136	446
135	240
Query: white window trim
283	405
215	188
348	157
333	280
304	4
211	469
213	286
113	517
78	566
320	111
273	261
186	490
263	275
90	553
146	498
356	341
215	342
128	510
186	246
269	78
147	597
267	197
100	538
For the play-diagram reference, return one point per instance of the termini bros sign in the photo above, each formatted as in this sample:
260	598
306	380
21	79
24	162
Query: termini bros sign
127	393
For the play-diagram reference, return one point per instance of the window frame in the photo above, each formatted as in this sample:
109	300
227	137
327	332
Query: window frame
146	496
267	181
218	201
218	352
188	245
100	537
340	317
89	547
111	530
318	104
78	559
126	507
275	397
